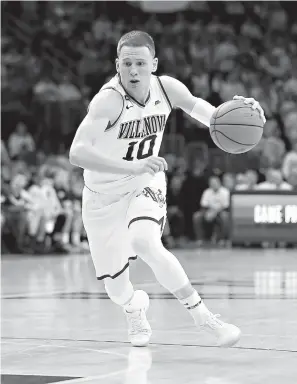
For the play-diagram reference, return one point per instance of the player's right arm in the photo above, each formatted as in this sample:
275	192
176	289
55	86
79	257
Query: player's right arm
105	109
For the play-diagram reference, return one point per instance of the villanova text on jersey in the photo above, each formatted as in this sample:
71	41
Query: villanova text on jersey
135	130
135	135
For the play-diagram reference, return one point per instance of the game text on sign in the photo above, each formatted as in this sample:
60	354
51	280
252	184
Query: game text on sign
275	214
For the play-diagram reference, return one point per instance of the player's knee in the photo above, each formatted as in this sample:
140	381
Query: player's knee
145	237
141	243
120	289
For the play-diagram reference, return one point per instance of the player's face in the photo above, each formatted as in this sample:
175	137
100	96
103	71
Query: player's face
135	66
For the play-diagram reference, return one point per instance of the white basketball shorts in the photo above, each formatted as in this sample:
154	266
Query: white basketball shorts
107	219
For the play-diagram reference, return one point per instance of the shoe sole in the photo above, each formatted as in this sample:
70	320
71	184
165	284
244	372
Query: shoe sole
231	342
141	344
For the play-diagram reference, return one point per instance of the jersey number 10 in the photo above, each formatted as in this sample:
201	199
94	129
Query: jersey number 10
140	155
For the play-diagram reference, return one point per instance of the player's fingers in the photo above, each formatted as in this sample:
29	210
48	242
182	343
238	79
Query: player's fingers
158	161
262	114
161	166
155	164
164	163
256	105
157	167
238	97
249	100
149	169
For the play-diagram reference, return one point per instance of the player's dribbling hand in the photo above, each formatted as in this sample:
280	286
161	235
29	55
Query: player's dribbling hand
151	165
254	105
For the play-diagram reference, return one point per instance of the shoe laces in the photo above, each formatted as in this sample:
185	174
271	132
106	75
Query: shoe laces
137	321
213	322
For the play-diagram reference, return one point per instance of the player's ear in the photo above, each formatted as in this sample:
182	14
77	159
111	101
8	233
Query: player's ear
117	65
155	64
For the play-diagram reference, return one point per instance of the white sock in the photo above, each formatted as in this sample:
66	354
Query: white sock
192	301
196	308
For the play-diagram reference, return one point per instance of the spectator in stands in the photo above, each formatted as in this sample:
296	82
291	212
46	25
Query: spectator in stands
200	53
278	18
18	203
290	123
225	54
67	90
290	161
271	147
273	150
46	90
102	28
249	182
5	159
274	181
212	221
290	86
232	86
240	180
45	215
228	181
43	192
292	178
200	83
194	184
275	63
20	142
251	29
36	217
76	188
174	210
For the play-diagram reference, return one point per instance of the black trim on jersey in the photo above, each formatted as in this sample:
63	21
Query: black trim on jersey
118	273
132	98
109	125
164	92
161	222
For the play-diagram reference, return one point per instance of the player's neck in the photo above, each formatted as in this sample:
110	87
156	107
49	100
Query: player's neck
140	95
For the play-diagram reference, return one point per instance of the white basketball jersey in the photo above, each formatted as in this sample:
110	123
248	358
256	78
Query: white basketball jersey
135	135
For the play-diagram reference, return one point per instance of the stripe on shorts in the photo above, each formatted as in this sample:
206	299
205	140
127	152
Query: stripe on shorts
161	222
118	273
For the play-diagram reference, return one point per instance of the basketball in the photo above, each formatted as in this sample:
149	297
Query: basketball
235	127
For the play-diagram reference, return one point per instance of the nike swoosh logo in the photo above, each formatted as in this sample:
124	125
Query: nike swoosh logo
129	106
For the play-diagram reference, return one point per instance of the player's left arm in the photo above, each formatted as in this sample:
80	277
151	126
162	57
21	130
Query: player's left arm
199	109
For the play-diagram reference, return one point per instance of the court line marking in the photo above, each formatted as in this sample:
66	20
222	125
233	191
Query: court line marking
84	379
66	346
20	351
206	296
156	344
34	294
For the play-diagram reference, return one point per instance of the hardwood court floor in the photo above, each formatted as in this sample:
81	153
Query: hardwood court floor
59	326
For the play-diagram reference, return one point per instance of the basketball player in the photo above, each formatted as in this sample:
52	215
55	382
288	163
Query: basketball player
124	206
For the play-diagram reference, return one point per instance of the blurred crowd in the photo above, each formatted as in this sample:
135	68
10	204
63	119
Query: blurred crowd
55	57
40	199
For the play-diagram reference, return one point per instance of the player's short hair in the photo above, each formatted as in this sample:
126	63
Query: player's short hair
137	39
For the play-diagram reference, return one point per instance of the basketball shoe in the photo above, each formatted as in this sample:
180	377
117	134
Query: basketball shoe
139	330
225	334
